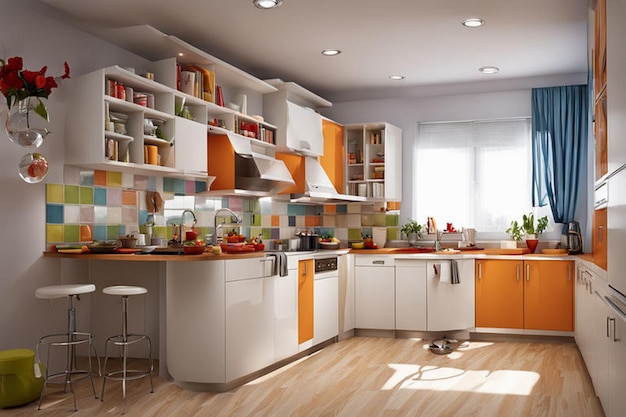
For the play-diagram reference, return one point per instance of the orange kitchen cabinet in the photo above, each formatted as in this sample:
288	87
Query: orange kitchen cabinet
332	160
599	238
499	294
296	166
221	162
305	300
549	295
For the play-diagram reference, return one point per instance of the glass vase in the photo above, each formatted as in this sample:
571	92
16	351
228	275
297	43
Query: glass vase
24	126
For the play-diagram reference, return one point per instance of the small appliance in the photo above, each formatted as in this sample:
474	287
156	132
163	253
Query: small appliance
571	239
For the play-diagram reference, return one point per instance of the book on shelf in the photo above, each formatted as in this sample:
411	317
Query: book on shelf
204	83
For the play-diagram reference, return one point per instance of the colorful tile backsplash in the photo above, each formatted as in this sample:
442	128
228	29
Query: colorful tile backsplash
101	205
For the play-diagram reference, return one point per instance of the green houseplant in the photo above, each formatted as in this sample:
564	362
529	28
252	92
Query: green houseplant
412	230
515	231
532	229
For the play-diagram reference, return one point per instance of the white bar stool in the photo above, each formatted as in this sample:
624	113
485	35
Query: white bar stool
123	341
70	340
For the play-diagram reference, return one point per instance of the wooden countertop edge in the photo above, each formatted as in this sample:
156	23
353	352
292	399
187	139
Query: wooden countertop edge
152	258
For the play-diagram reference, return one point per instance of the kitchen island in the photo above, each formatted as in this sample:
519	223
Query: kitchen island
222	320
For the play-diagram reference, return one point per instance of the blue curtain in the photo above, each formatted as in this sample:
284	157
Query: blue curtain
559	147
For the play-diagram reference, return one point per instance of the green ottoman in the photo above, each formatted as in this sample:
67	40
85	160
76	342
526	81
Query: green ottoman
18	384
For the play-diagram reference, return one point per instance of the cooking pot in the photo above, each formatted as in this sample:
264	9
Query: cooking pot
308	241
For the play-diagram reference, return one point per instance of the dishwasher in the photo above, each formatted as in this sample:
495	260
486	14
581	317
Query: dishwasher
325	299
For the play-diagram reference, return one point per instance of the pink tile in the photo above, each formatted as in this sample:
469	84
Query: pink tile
114	197
87	214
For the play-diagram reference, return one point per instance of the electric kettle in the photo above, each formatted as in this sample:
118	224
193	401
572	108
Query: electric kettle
574	238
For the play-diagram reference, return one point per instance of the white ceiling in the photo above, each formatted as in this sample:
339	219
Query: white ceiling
529	40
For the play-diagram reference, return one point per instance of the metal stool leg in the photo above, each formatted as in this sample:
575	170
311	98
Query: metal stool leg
123	341
70	340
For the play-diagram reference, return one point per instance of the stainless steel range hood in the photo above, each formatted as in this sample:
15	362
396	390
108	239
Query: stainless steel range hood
255	173
318	188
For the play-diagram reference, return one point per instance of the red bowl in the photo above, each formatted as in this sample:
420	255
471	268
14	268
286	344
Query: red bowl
191	235
258	247
194	250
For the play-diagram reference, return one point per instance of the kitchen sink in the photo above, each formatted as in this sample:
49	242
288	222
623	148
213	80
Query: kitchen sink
415	249
170	250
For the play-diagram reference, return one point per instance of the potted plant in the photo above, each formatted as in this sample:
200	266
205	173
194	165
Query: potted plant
412	230
533	230
516	233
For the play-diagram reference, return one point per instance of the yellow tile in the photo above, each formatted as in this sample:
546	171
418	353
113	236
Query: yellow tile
114	179
54	233
54	193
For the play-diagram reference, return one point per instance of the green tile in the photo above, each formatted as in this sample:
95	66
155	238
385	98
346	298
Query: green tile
54	193
392	220
114	179
71	233
354	234
113	231
71	194
256	220
86	195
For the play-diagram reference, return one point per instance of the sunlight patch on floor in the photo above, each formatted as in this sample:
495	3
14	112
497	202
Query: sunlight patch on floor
417	377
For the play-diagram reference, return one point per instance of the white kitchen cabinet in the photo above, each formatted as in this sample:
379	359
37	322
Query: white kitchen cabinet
346	295
450	306
291	109
617	363
285	315
191	146
249	317
195	321
375	292
373	161
411	302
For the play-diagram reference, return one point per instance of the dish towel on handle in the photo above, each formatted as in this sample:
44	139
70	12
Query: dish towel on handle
454	272
447	273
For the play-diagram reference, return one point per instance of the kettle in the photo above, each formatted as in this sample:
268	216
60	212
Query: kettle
571	237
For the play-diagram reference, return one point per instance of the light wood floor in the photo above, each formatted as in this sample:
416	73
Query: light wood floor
372	377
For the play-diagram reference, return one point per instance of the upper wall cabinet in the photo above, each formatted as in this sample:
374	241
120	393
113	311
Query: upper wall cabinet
299	126
373	161
119	120
615	80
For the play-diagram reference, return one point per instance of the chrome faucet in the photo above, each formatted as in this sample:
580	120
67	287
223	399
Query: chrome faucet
182	223
438	240
216	227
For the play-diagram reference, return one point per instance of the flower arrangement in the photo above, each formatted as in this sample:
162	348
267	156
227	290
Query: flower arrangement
17	84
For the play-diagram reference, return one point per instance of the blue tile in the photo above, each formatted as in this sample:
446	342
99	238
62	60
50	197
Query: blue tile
86	177
100	232
168	185
292	221
54	213
152	184
341	208
200	186
99	196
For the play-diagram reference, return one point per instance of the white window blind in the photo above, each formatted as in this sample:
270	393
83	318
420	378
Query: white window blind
474	174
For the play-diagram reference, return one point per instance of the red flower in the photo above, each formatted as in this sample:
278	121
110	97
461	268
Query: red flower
17	84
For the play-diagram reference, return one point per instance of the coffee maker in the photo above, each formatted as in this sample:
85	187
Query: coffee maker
571	239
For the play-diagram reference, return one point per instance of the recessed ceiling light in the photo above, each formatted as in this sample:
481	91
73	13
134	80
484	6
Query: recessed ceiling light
473	22
397	77
267	4
331	52
489	70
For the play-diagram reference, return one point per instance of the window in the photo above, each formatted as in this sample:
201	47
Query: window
474	174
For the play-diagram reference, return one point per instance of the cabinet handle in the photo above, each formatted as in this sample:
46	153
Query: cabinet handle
608	321
480	270
600	234
517	272
569	278
378	262
528	272
615	339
